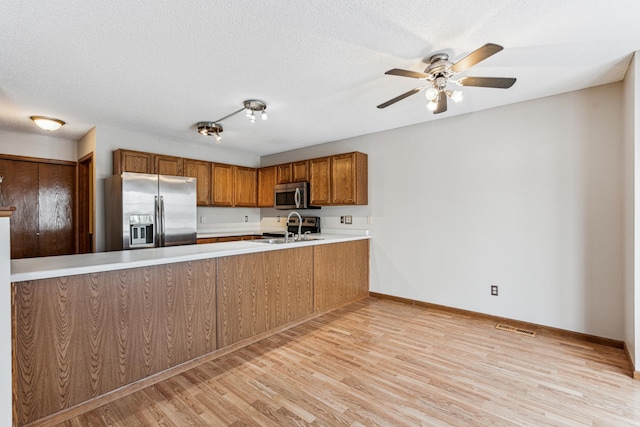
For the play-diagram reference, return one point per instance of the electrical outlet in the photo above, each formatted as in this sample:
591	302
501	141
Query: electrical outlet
348	219
201	219
341	220
369	220
246	218
278	218
494	290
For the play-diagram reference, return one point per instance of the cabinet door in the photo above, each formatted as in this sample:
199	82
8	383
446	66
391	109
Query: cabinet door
284	173
300	171
246	180
320	178
19	188
266	182
201	171
167	165
132	161
222	184
56	194
341	273
349	179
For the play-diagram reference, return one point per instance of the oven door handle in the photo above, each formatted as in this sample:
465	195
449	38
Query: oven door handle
296	197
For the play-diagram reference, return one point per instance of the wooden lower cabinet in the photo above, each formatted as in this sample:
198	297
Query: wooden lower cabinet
78	337
261	291
341	273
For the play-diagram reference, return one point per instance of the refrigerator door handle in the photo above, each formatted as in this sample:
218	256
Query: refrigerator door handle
162	230
156	208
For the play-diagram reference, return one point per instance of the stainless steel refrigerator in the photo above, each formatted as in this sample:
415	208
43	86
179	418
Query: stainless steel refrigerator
145	211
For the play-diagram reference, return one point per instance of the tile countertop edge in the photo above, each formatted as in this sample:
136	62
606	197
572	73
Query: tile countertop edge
69	265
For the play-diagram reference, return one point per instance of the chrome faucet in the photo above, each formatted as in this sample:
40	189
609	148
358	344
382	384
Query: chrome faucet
286	235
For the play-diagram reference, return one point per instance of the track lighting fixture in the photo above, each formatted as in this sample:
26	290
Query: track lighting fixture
250	107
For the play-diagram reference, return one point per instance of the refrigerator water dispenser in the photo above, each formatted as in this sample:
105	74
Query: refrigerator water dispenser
141	230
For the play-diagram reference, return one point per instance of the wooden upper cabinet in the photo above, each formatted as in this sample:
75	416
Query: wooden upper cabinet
201	171
339	180
300	171
293	172
132	161
266	182
349	179
246	193
320	174
284	173
222	184
167	165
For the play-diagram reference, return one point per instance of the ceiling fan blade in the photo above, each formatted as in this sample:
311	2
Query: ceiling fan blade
407	73
401	97
476	56
495	82
442	104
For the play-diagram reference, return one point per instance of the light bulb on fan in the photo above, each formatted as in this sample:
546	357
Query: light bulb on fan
431	93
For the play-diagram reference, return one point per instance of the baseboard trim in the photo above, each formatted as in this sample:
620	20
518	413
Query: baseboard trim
103	399
514	322
634	374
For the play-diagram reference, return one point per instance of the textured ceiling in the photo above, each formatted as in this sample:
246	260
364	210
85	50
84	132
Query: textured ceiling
161	66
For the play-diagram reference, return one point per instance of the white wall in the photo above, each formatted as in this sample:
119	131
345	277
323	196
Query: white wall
36	145
109	139
6	396
526	196
631	158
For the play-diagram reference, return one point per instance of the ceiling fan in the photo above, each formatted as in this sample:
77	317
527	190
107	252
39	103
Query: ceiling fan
441	71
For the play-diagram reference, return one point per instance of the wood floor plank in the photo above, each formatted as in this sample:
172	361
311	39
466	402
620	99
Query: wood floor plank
382	362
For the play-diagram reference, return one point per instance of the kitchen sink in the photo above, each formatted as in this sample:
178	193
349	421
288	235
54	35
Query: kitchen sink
279	240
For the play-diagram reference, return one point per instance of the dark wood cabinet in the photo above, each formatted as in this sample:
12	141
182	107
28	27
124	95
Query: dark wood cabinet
201	171
266	182
44	195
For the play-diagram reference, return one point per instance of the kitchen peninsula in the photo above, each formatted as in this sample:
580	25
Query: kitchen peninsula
90	328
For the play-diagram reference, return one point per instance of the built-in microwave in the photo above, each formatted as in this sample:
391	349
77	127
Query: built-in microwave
292	196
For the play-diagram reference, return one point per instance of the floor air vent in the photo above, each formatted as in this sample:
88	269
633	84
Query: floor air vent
515	330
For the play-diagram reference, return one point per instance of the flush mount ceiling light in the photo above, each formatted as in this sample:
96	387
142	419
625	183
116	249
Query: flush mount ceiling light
250	107
47	123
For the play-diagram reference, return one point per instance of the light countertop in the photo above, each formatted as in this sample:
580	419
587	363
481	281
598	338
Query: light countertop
68	265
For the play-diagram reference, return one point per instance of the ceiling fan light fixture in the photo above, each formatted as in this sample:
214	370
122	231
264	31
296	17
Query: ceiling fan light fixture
432	105
456	96
47	123
264	115
431	93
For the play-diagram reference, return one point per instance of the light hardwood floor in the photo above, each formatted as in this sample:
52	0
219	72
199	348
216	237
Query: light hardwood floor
381	362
